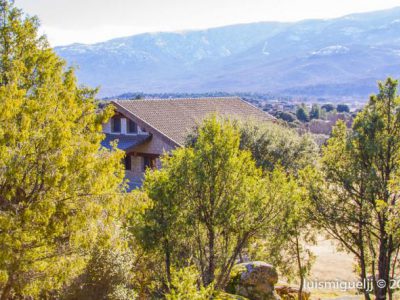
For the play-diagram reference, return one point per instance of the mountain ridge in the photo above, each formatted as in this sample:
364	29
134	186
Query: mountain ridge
309	58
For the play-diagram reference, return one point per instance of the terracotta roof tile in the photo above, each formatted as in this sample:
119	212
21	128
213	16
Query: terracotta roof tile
174	118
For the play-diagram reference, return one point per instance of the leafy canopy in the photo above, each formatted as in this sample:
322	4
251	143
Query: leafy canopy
212	196
273	145
57	187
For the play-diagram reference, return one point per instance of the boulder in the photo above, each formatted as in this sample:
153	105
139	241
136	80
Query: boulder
253	280
291	293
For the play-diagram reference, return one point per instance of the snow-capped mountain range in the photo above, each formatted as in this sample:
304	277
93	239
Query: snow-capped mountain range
333	58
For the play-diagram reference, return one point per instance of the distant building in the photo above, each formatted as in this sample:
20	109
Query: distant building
145	129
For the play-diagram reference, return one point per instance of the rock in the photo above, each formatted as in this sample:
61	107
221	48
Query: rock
291	293
253	280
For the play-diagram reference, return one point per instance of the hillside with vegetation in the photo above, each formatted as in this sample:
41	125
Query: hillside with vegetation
238	197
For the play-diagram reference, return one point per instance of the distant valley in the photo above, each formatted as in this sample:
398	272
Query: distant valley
333	59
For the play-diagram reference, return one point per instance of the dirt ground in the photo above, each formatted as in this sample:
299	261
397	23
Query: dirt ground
332	265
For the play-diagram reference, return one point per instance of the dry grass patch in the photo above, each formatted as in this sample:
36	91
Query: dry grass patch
331	264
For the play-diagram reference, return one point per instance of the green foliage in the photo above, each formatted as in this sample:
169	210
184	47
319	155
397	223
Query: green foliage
328	107
185	285
276	147
162	227
286	116
234	278
302	114
315	112
57	187
342	108
108	275
219	200
356	201
284	245
273	145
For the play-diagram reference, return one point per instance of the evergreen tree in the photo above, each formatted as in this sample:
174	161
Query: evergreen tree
342	108
273	145
107	275
315	112
286	116
162	229
328	107
359	204
212	196
55	181
302	114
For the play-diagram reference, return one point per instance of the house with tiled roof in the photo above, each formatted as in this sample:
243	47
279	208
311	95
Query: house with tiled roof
145	129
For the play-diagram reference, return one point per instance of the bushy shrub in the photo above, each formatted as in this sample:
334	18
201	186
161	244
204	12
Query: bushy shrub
302	114
186	286
343	108
286	116
272	145
108	275
328	107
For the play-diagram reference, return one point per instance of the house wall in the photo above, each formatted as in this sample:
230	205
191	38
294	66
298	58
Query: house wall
124	124
134	180
136	165
107	127
155	146
135	173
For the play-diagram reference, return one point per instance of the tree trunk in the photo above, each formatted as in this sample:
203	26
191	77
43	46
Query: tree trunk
373	272
167	253
300	267
223	278
5	294
389	265
364	278
211	257
383	270
363	266
393	271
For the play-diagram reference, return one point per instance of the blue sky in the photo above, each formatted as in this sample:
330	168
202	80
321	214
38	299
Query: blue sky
90	21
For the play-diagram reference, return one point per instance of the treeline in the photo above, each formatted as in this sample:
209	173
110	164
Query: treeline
302	114
251	97
237	191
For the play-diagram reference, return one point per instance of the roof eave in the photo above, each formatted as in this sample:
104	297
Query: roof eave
130	114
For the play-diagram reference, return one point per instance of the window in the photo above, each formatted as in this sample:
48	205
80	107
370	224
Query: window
132	127
116	124
128	162
147	163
